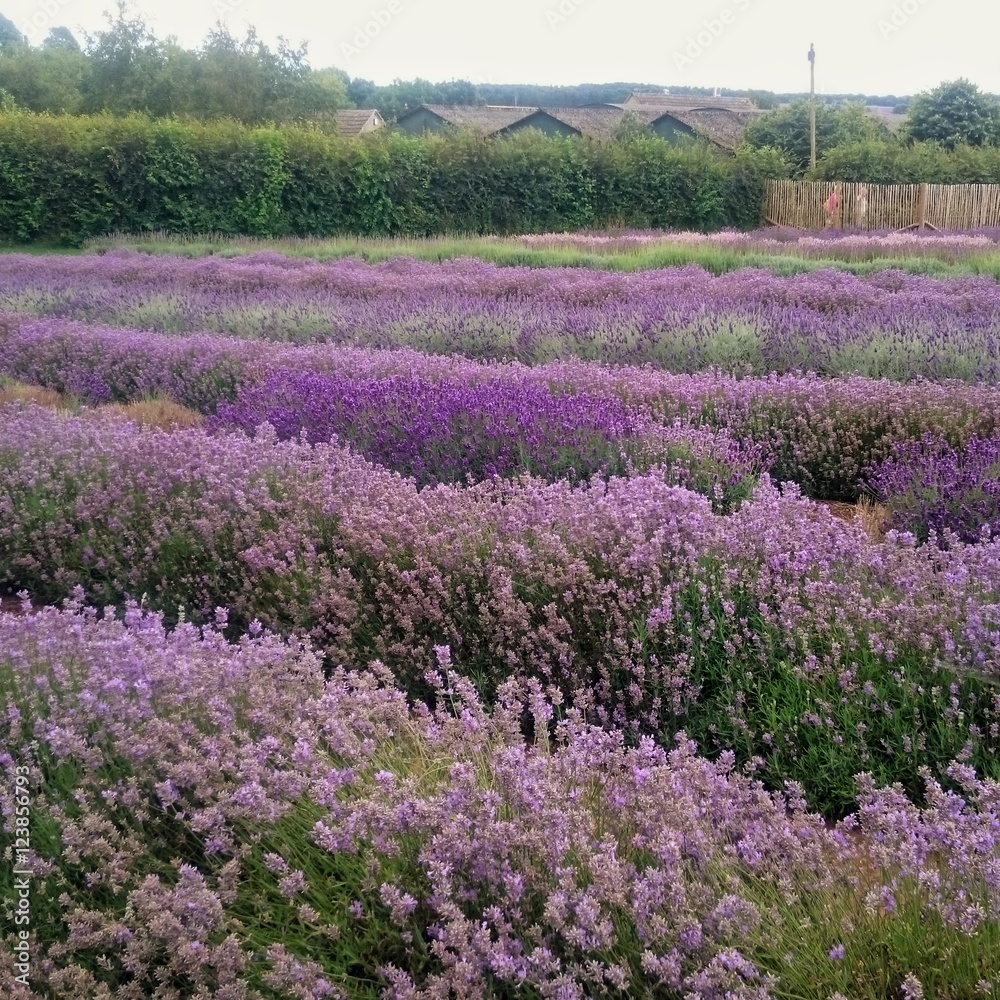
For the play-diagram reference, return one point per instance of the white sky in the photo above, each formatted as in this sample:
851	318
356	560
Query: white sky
862	46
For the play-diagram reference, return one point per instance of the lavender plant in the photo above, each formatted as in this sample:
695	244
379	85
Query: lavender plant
776	632
683	319
820	433
940	492
214	819
438	432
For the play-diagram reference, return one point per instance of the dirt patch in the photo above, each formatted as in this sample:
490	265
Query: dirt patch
11	605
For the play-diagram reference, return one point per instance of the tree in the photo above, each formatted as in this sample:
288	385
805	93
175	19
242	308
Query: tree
125	61
247	81
787	130
10	36
766	100
45	79
61	39
954	113
631	128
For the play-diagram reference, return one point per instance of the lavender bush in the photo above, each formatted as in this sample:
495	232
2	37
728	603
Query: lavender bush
437	432
890	324
780	248
821	433
628	596
444	431
214	819
830	244
937	491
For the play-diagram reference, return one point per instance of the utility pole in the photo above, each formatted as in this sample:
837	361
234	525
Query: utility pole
812	107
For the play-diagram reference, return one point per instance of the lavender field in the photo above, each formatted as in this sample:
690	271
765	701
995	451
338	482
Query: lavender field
782	250
431	630
889	324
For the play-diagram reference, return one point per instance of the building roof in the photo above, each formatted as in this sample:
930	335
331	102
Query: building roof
354	122
686	102
484	120
724	128
594	122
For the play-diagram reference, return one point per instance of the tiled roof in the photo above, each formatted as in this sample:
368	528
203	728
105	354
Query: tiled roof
686	102
355	122
722	126
595	123
484	120
719	125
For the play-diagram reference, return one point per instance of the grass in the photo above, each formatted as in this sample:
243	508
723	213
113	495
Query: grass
19	392
155	411
39	248
508	251
874	517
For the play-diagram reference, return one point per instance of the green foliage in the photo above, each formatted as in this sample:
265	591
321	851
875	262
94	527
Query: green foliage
68	179
953	114
10	35
61	38
787	130
126	68
46	79
877	162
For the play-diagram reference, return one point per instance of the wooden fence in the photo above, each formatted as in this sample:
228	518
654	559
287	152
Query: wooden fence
803	205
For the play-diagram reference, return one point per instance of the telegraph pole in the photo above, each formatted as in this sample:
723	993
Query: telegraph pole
812	107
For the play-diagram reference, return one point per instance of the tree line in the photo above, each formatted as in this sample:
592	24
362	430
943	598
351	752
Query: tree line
950	131
126	69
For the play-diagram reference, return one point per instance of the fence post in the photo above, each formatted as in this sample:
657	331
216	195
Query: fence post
922	206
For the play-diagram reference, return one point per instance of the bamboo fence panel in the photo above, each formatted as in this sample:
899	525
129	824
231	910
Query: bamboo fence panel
802	205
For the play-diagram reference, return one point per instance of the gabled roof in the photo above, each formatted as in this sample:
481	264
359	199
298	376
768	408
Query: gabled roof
594	122
355	122
722	126
687	102
719	125
483	120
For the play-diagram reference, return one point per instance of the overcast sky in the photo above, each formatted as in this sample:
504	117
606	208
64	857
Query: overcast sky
862	46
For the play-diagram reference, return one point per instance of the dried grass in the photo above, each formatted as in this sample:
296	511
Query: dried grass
160	412
20	392
873	517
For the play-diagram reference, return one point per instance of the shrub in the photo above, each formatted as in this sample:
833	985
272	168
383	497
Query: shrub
935	489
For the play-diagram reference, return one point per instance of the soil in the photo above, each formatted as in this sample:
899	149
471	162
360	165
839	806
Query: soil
11	605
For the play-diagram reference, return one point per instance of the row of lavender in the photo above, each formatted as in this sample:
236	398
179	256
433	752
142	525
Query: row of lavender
628	596
446	418
234	828
888	325
954	245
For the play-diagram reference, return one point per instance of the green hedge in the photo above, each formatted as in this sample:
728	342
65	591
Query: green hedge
64	179
876	162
